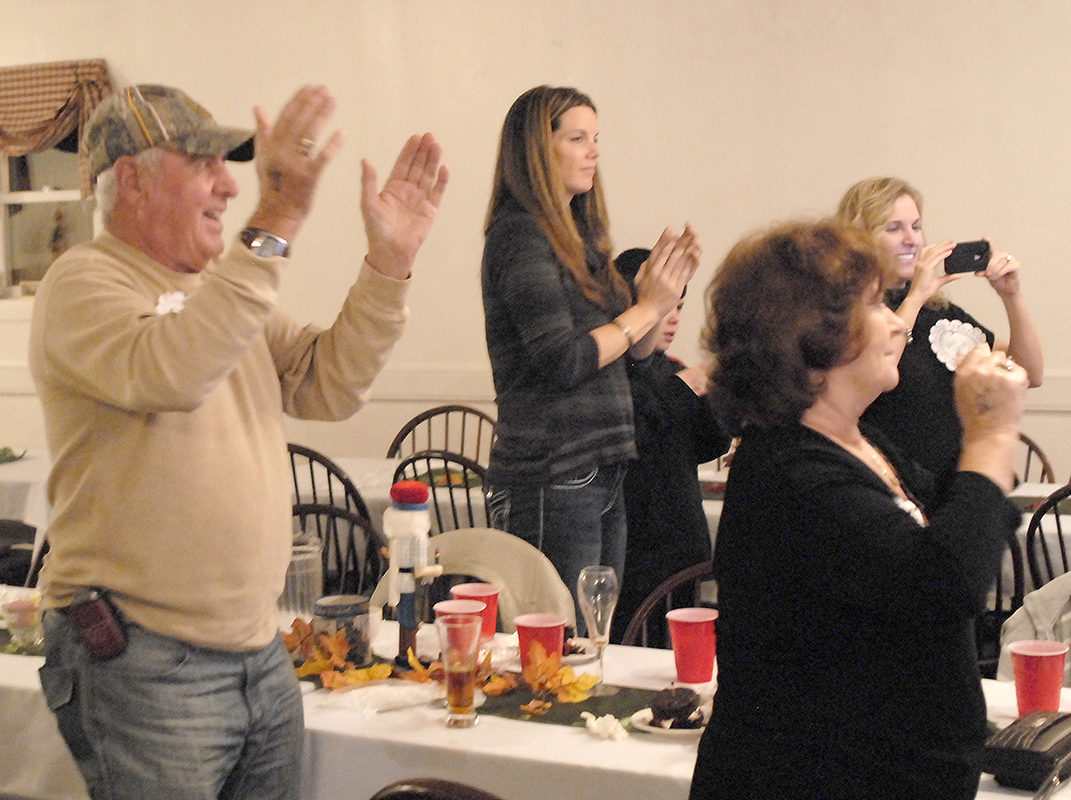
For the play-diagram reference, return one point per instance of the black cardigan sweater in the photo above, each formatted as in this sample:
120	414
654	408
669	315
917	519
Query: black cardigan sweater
845	638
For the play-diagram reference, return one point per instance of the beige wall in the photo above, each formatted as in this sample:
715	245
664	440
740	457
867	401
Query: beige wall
729	114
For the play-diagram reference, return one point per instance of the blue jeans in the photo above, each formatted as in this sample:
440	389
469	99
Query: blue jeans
577	522
169	720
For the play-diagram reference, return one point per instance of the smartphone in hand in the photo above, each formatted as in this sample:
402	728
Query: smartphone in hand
968	257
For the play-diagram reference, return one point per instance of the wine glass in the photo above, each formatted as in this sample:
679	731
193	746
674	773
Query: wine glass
596	592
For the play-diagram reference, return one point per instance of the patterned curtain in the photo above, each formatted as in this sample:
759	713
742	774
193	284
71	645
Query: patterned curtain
41	104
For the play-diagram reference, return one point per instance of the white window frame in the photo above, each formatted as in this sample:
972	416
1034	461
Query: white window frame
9	198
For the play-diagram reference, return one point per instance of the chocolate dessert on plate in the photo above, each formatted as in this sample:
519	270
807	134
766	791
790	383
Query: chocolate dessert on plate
677	708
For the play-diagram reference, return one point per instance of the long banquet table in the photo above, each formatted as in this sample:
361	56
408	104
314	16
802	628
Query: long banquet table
23	492
352	754
355	755
23	489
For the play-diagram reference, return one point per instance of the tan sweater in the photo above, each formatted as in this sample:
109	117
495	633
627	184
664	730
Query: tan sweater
163	396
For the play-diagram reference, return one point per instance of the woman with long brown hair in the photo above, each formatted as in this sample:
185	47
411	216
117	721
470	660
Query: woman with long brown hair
558	320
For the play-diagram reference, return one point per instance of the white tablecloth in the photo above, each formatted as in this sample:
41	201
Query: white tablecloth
511	758
348	754
23	489
34	761
24	493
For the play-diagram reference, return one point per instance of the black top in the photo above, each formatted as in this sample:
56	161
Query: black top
557	411
919	415
845	641
667	528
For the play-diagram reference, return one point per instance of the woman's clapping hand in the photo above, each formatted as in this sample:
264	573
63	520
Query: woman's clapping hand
672	263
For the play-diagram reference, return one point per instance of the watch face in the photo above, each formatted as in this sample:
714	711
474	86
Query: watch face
264	244
270	247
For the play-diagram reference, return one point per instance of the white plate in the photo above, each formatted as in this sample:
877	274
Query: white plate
641	721
587	652
506	656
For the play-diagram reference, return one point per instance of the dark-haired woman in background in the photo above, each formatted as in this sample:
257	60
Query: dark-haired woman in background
846	663
558	319
675	432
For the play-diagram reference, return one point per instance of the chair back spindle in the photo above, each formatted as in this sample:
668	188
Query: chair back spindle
1046	545
684	588
1036	467
456	484
352	548
457	429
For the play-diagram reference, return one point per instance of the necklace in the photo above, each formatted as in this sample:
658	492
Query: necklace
867	452
888	475
885	470
862	448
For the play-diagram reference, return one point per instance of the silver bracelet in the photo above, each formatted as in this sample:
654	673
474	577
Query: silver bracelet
625	330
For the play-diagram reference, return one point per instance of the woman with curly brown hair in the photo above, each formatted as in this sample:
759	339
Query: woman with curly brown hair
558	320
846	664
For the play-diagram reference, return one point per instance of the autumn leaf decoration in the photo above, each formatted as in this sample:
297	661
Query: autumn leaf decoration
326	656
544	677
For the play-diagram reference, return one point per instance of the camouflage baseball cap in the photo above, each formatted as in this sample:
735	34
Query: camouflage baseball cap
139	117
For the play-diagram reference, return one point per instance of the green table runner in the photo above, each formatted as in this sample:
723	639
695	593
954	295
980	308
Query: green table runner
626	702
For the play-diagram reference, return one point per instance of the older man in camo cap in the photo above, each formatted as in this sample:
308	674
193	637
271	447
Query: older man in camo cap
141	117
164	368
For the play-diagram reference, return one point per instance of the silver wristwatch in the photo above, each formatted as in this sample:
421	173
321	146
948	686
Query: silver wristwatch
264	244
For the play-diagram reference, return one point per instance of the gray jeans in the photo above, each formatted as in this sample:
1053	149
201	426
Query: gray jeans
577	522
169	720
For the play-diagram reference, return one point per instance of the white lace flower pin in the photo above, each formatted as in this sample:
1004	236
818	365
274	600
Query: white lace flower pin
950	339
171	303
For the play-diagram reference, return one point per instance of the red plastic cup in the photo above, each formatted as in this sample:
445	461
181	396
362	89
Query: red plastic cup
547	630
452	608
1039	674
486	594
692	633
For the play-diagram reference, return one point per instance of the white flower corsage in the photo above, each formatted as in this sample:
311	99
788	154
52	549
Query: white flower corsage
171	303
950	339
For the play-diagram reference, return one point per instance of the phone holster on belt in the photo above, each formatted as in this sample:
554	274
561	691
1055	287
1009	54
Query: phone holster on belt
97	622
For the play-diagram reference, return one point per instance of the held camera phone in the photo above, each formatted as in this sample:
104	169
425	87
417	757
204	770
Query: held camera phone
968	257
97	622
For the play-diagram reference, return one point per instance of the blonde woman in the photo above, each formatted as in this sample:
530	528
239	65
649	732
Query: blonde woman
919	414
